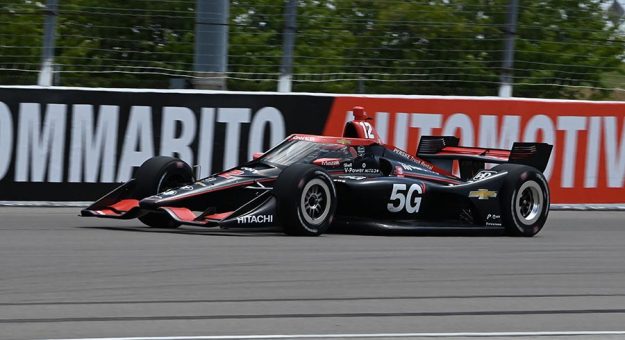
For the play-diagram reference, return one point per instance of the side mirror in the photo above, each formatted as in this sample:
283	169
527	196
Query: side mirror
257	155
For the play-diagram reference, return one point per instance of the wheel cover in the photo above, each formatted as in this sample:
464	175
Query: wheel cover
315	201
529	202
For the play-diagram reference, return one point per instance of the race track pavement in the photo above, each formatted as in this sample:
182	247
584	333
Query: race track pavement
62	276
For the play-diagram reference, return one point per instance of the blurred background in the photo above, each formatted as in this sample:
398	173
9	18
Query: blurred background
546	48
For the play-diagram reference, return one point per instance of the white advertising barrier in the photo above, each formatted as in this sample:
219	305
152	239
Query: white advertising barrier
65	146
74	144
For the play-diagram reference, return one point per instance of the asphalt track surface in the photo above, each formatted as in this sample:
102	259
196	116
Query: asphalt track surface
62	276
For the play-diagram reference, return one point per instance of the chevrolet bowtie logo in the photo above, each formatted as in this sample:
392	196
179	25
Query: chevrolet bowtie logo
482	194
344	141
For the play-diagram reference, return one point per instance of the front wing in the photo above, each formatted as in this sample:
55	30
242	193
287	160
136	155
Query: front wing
119	204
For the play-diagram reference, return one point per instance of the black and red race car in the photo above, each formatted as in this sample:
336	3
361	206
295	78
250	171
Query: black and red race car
307	184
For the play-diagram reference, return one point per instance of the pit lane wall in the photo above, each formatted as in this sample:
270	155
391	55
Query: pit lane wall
71	144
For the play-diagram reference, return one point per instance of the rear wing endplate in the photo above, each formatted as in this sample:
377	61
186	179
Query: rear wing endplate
532	154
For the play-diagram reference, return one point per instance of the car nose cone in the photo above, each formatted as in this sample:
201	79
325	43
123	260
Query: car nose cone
149	202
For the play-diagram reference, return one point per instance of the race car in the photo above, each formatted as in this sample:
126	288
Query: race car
307	184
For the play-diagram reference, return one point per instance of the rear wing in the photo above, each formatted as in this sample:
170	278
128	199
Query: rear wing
443	150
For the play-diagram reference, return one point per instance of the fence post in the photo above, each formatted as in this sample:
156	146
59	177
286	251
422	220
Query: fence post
288	41
47	52
505	89
210	61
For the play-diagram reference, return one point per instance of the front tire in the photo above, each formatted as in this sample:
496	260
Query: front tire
306	200
524	200
159	174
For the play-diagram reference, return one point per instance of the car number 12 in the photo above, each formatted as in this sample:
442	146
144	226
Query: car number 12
400	199
368	129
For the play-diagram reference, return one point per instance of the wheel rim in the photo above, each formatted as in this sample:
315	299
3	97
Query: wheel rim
315	202
529	202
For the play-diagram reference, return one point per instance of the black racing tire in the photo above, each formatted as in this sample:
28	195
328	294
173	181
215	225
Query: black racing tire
159	174
306	200
524	199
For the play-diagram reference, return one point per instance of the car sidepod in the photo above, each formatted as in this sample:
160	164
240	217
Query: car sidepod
410	202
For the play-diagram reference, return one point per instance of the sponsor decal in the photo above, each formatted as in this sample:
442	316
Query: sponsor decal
403	199
187	187
231	173
421	163
360	150
348	168
249	219
169	193
482	175
361	171
355	178
331	162
206	181
248	169
305	138
482	194
409	167
413	168
335	162
493	217
425	166
404	154
344	141
493	220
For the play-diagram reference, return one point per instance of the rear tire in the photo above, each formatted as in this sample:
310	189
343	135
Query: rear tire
159	174
524	200
306	200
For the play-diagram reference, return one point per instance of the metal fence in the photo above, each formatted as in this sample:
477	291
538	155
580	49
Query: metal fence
562	48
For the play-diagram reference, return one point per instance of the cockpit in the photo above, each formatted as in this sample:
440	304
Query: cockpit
304	151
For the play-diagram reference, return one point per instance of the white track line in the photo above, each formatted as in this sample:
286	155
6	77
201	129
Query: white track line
365	336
